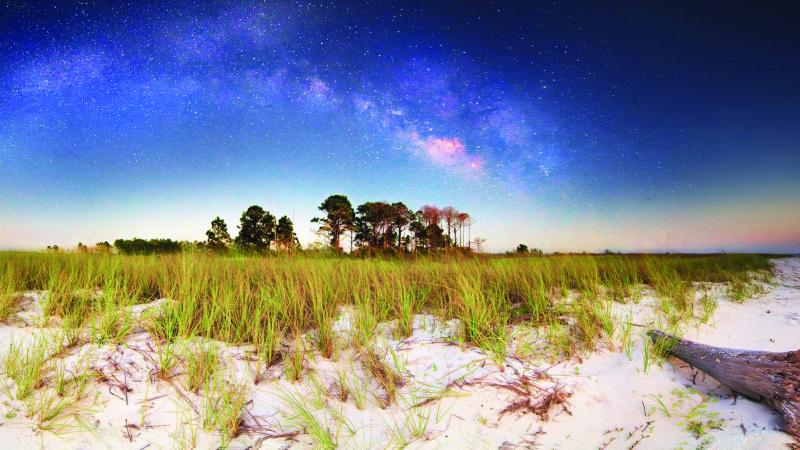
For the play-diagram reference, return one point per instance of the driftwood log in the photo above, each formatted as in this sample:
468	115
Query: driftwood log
769	377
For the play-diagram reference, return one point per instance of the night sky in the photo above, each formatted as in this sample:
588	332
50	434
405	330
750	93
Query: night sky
562	125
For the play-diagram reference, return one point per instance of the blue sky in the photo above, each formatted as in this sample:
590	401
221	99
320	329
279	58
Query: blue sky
568	126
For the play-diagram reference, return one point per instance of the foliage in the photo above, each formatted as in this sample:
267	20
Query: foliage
260	300
224	406
217	237
285	238
26	365
693	408
374	224
256	230
338	219
137	246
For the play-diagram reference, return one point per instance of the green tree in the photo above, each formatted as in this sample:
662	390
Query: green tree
103	247
418	230
82	248
435	236
137	246
401	218
217	237
284	233
522	248
256	230
374	224
338	219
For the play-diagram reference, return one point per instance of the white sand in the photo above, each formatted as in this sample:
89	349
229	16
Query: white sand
613	401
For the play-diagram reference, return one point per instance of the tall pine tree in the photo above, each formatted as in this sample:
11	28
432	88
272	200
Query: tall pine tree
217	238
284	233
256	230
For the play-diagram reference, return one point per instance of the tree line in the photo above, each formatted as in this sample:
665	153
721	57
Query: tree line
381	225
258	232
370	227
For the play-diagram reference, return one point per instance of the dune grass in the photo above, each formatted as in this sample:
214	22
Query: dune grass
26	364
202	364
224	405
299	414
289	310
263	300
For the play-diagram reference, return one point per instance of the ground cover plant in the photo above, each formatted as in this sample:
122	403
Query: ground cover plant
261	300
289	309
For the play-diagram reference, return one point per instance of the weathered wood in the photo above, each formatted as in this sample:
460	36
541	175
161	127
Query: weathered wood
769	377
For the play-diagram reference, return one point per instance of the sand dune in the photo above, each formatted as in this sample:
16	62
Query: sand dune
450	396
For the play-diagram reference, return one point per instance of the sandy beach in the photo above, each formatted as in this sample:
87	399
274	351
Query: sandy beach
448	395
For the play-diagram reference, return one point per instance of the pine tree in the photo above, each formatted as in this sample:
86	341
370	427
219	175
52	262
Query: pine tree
284	234
256	230
218	238
339	218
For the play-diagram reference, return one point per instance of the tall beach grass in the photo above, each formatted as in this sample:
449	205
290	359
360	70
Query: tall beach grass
266	300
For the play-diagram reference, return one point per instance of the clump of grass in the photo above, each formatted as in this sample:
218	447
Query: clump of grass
72	330
111	324
743	286
299	415
647	353
602	313
26	364
558	337
708	304
59	414
294	359
658	350
224	406
267	335
675	298
416	417
625	340
165	361
386	376
366	316
186	429
659	405
484	315
76	380
202	364
593	320
341	389
68	404
170	322
8	305
320	291
405	306
356	387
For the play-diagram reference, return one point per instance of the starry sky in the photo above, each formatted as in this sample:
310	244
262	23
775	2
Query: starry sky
564	125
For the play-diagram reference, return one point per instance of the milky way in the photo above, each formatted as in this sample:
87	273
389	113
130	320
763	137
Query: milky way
416	92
